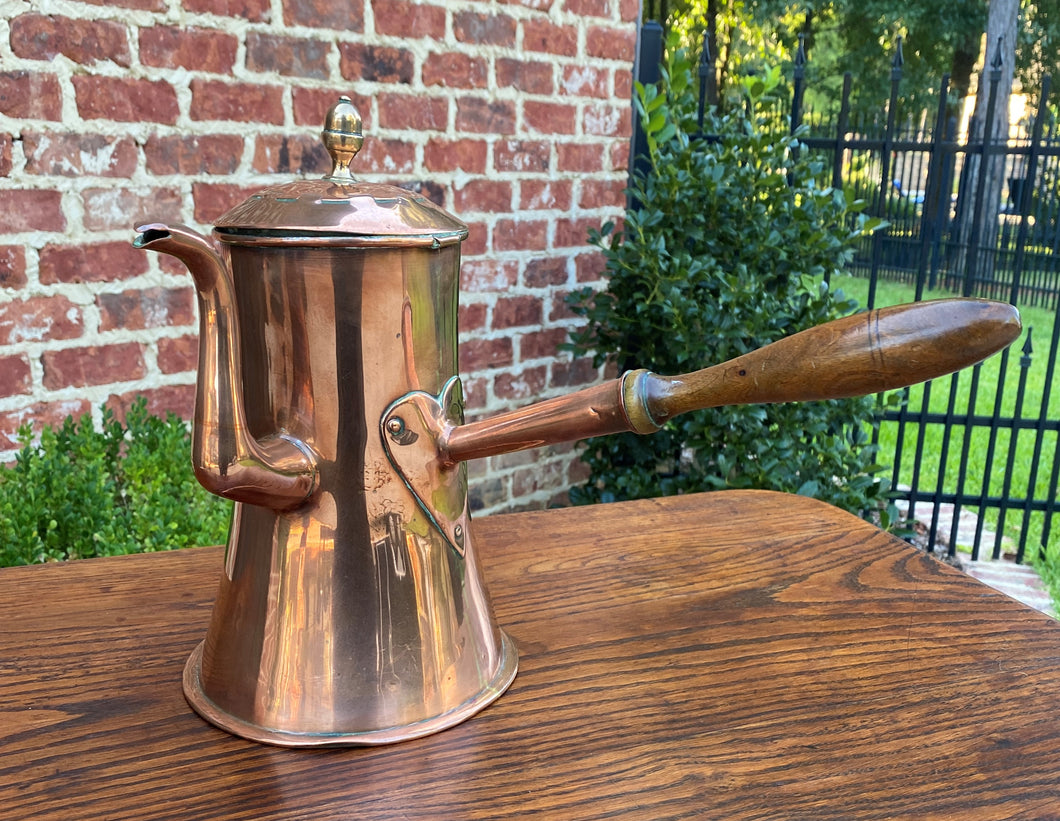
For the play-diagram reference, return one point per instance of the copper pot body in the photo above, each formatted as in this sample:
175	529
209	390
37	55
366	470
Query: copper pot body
350	618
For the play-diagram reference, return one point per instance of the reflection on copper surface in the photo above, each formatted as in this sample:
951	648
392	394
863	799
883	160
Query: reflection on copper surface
346	618
295	618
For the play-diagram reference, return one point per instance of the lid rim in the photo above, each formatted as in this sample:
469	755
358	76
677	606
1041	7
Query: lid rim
265	236
320	207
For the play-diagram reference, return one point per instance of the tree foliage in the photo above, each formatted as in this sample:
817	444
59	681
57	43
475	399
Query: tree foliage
731	248
939	37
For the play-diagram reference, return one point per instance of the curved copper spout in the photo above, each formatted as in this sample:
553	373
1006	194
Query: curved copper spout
278	472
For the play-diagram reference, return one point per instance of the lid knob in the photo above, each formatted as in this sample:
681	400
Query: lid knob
342	138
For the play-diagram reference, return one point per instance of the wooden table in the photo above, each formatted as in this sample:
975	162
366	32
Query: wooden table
722	656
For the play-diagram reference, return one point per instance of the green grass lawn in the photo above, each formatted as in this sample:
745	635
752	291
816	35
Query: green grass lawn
987	455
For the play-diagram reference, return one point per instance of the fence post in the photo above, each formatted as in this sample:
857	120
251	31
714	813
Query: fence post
1023	203
708	82
798	84
885	169
947	216
931	214
973	250
841	129
646	71
1039	428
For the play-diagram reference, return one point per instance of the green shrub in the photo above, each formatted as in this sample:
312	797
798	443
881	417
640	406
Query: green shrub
80	492
731	247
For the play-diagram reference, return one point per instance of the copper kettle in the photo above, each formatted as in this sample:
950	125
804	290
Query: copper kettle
351	609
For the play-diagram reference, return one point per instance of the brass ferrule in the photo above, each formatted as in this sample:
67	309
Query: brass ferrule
635	401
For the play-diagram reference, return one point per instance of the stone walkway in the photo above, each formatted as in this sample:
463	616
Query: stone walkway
1019	581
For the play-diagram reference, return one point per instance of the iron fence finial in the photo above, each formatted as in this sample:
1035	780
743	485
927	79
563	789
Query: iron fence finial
704	55
998	60
800	58
899	58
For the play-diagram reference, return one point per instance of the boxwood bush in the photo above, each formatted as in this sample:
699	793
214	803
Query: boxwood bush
731	246
79	492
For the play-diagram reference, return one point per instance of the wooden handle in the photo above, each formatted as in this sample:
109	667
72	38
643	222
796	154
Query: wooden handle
857	355
865	353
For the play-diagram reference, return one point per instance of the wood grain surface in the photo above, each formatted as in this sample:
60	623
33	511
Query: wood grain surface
727	655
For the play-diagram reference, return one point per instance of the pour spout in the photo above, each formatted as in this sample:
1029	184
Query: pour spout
278	471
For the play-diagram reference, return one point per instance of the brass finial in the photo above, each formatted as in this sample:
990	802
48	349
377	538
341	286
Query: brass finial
342	138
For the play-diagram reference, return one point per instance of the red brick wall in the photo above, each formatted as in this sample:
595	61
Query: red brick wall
513	115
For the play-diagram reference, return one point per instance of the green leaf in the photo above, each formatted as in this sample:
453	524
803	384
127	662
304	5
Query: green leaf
731	247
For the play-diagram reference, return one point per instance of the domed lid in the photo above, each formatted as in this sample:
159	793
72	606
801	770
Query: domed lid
337	209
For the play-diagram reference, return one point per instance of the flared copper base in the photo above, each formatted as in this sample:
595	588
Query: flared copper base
201	703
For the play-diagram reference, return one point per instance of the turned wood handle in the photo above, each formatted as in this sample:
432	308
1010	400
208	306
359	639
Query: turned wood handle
865	353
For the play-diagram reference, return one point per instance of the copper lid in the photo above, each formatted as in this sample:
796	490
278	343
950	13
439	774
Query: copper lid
337	209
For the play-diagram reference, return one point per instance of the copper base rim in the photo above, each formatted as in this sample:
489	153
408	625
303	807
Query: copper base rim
201	703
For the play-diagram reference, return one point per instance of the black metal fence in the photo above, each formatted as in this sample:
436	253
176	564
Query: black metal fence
929	183
986	440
